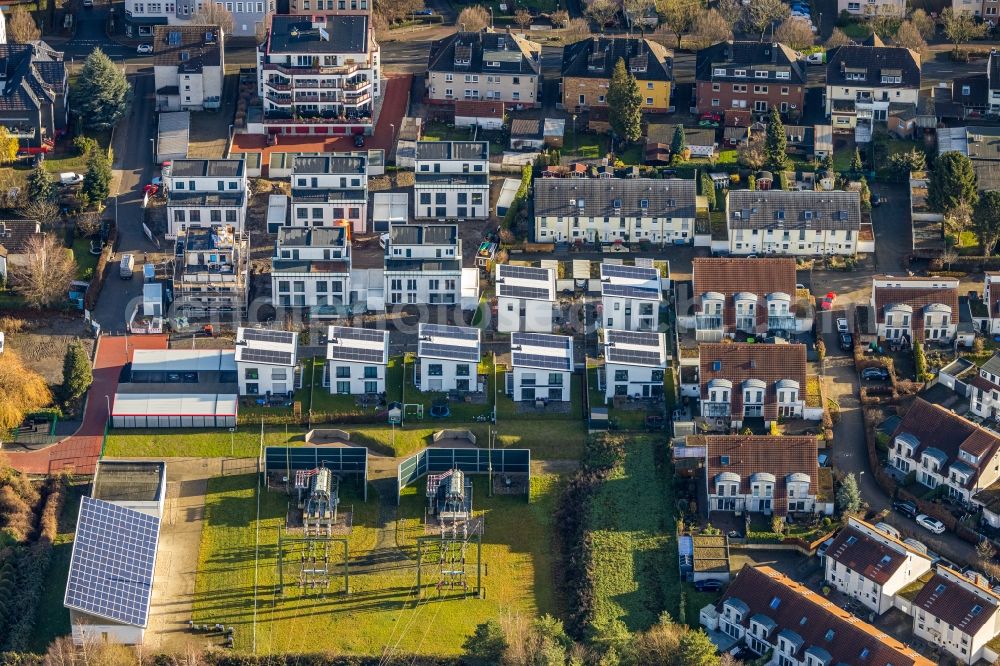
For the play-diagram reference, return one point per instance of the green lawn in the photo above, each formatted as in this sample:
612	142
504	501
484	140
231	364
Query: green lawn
631	523
64	157
857	30
632	155
516	547
436	131
585	145
85	261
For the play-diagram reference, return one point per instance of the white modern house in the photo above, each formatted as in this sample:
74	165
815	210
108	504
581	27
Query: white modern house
452	180
448	358
630	297
798	223
526	296
614	209
957	615
633	364
944	449
211	270
915	309
204	193
188	66
763	474
423	265
871	566
329	189
991	298
541	367
266	361
356	360
984	390
311	268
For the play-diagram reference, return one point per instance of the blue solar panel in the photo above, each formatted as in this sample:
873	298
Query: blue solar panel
114	555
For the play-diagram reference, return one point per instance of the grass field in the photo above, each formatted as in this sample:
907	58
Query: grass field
516	547
85	261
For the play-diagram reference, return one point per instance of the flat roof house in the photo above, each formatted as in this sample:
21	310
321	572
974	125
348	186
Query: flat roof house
356	360
803	223
423	265
630	297
541	367
329	189
206	193
452	180
448	358
266	361
211	270
633	364
526	296
311	269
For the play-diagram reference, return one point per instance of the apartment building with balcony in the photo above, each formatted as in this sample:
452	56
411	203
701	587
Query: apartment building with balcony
751	296
957	615
143	16
311	269
451	180
764	474
587	67
484	65
356	360
630	297
34	102
319	74
206	193
871	566
327	189
749	75
740	381
210	270
634	363
915	309
772	614
423	265
615	210
799	223
188	66
864	82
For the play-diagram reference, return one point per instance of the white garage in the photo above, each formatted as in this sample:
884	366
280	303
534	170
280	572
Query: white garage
174	410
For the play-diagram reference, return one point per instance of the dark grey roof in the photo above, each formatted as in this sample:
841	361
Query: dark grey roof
452	179
561	197
978	87
295	34
339	266
175	198
15	234
483	52
35	76
875	62
206	168
983	143
422	265
994	71
595	57
987	175
452	150
424	234
190	48
312	236
749	56
324	195
775	209
330	164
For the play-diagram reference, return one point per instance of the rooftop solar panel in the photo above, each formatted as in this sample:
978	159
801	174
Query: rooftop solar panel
517	291
449	352
348	333
632	272
265	335
644	338
271	356
523	272
618	355
540	340
538	361
355	354
630	291
114	556
457	332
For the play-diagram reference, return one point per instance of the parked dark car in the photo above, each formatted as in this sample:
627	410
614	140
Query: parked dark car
708	585
875	374
359	140
846	341
908	509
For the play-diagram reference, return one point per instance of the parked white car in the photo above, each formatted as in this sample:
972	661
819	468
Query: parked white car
931	524
842	326
143	49
70	178
814	58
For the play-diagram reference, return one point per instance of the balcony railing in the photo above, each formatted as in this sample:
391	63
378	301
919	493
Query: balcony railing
783	322
715	409
358	101
307	97
278	119
277	85
356	85
708	322
297	71
281	100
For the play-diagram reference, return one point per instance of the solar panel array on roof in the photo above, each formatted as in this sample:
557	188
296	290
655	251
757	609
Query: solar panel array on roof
643	338
540	340
114	556
356	354
523	272
264	356
266	335
449	352
639	357
630	291
539	361
348	333
517	291
631	272
457	332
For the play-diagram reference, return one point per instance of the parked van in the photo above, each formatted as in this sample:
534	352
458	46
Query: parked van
126	267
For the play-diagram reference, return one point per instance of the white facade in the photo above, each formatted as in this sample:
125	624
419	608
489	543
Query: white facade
140	15
870	8
204	193
452	180
311	268
917	318
356	360
423	265
189	63
966	646
633	364
991	297
266	361
867	586
525	298
542	367
211	270
630	297
328	189
796	223
448	358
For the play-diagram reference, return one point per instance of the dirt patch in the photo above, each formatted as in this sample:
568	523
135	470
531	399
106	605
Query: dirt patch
42	341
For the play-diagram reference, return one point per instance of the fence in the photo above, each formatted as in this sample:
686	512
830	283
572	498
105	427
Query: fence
470	461
338	459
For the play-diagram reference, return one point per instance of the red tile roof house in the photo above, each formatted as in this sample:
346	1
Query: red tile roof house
957	615
738	380
871	566
763	474
765	610
943	448
915	309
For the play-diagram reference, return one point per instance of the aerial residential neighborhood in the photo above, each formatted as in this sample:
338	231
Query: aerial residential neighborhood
521	333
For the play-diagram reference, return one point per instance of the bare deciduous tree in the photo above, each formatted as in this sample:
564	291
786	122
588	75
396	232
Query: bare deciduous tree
924	23
560	18
474	18
678	16
763	14
602	12
393	11
46	275
637	10
709	28
522	17
88	223
909	37
837	38
733	11
576	30
21	26
212	13
45	211
794	32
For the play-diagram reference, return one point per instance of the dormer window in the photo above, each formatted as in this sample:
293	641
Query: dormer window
740	72
719	71
760	74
